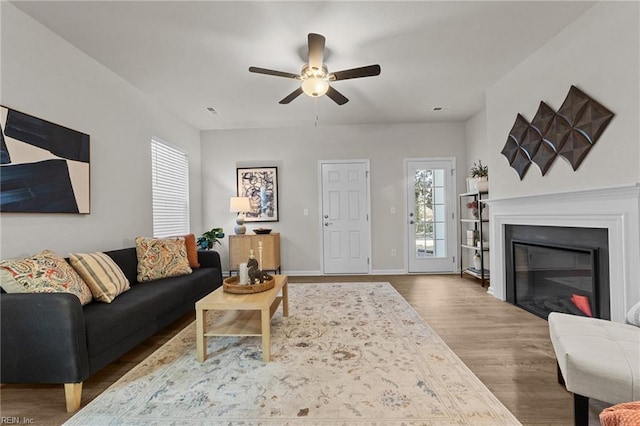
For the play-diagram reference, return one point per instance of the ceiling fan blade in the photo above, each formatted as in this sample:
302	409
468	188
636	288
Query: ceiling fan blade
336	96
272	72
368	71
291	96
316	51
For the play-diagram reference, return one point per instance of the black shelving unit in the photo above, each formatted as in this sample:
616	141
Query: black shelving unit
476	224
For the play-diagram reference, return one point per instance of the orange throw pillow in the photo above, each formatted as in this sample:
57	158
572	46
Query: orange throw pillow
192	250
625	414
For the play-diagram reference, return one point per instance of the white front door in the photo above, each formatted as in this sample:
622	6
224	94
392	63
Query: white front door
345	217
431	215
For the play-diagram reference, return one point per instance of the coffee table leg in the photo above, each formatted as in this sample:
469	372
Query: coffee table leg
201	328
285	299
265	318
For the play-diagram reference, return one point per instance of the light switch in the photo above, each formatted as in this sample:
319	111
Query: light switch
305	212
393	210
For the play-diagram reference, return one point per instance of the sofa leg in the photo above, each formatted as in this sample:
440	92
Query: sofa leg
580	410
73	395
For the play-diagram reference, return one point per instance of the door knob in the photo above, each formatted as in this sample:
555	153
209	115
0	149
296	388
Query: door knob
326	216
328	223
411	222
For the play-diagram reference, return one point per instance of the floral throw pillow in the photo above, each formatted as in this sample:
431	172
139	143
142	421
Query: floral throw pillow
161	258
45	272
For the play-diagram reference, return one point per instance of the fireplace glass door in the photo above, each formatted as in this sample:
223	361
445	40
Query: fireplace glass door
555	279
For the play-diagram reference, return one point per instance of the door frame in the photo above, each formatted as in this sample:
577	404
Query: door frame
454	210
367	165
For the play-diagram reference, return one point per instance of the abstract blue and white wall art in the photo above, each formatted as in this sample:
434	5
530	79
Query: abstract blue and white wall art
44	167
260	185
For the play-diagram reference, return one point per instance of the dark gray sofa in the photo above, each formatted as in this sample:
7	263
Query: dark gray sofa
51	338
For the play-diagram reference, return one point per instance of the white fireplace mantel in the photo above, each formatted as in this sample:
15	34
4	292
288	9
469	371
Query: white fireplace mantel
616	209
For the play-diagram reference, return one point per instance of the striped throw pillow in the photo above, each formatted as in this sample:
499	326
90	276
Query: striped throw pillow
103	276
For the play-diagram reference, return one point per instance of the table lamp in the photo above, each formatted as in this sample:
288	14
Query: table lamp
239	205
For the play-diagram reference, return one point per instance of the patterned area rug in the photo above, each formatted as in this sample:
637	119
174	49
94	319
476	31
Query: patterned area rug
348	354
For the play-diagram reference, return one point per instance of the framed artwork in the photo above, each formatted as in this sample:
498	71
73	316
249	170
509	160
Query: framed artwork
260	185
44	167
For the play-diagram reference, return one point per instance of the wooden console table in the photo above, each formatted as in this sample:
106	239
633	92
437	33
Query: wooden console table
239	246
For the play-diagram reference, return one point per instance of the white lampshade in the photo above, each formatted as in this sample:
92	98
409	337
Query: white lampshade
239	205
315	86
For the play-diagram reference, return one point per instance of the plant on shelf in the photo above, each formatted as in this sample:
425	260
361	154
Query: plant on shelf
210	238
479	170
479	177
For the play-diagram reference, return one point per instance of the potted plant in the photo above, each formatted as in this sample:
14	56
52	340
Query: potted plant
479	177
210	238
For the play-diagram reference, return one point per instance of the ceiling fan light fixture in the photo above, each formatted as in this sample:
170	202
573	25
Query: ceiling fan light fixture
315	86
314	77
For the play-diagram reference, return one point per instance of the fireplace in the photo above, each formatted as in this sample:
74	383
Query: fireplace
558	269
615	211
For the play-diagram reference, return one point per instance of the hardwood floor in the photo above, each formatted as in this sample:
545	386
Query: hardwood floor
506	347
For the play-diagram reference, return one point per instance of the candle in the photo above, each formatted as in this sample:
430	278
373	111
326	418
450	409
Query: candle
260	254
243	271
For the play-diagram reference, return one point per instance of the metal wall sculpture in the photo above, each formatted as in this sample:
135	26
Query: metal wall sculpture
571	132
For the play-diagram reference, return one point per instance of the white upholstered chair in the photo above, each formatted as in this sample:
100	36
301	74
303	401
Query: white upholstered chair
596	359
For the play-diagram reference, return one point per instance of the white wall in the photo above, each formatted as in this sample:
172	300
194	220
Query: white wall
598	53
46	77
296	152
476	139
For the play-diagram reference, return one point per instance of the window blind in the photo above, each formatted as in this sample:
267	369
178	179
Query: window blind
170	182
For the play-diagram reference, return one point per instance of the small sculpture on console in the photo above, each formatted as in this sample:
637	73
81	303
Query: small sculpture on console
252	265
256	274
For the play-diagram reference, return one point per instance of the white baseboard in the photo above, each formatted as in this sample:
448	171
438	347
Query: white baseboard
320	273
388	272
285	272
303	273
373	272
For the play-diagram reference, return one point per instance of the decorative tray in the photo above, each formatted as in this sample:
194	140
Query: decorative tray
262	230
230	285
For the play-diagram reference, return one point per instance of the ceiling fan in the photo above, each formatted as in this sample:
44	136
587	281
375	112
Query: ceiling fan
315	76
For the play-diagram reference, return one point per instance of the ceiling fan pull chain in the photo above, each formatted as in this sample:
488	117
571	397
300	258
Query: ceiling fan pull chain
315	101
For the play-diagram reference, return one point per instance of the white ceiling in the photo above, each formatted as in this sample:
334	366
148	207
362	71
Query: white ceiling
192	55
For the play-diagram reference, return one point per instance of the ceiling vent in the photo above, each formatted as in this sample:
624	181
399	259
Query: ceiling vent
212	111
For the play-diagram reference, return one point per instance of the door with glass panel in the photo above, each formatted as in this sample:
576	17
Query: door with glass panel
430	215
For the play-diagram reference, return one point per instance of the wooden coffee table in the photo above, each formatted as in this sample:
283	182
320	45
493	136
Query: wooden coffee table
246	315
